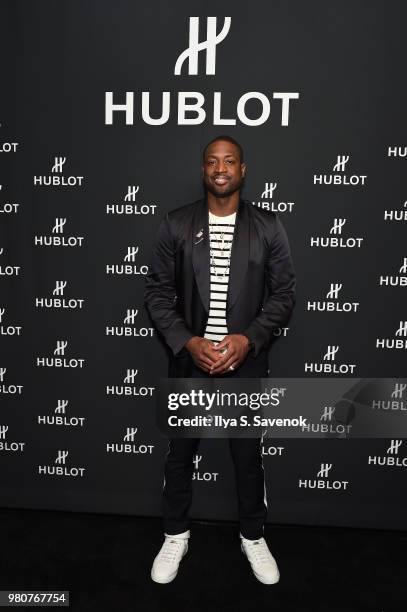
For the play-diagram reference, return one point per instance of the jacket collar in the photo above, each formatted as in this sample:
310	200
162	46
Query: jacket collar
201	256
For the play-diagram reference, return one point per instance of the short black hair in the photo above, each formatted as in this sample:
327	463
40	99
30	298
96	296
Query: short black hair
228	139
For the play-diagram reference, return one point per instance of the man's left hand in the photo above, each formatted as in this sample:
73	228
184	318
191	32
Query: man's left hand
237	349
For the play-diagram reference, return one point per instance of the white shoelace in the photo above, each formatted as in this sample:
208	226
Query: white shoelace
170	550
258	551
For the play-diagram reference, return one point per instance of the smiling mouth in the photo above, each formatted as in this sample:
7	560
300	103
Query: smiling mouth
221	180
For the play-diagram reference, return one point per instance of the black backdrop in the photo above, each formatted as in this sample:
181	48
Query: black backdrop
65	178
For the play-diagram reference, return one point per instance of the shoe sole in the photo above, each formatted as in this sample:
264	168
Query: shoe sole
266	581
163	580
260	578
169	578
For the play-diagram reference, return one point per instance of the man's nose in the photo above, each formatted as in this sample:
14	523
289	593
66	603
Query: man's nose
221	167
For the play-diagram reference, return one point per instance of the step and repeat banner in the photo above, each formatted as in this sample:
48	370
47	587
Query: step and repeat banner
105	109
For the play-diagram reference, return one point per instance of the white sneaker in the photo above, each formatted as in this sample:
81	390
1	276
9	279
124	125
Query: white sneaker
166	563
263	564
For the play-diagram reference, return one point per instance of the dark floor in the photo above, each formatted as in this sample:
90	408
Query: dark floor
104	561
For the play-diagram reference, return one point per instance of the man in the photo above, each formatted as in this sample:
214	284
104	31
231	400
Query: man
220	281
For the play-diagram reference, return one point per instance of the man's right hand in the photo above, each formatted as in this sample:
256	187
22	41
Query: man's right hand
202	352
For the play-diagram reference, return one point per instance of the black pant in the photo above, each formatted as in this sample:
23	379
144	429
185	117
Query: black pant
249	471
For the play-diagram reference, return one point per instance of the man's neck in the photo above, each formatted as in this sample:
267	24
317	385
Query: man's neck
223	206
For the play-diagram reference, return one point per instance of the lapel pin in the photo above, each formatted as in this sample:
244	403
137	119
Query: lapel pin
200	236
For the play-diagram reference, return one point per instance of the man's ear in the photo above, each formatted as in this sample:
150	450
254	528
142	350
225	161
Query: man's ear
243	169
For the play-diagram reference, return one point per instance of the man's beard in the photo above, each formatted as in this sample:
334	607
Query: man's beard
223	194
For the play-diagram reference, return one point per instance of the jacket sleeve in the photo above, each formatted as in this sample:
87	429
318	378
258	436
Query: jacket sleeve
160	290
281	283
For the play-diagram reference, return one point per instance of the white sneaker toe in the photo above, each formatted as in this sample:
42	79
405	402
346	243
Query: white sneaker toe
263	564
166	563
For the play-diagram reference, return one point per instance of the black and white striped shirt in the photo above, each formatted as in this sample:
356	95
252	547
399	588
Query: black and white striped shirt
221	231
